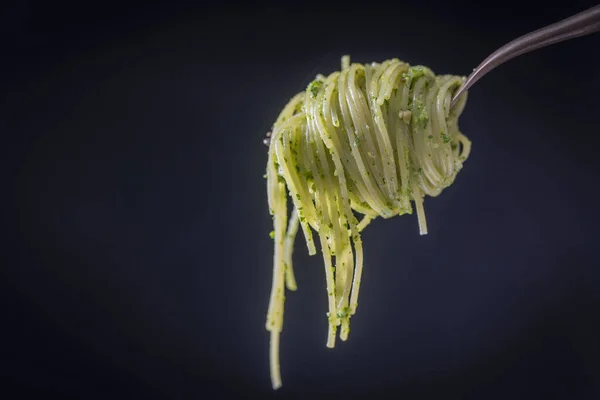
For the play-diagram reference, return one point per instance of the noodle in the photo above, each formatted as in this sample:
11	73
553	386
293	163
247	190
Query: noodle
368	139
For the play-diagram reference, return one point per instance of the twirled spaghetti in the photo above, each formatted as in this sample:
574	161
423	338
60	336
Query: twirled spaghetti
367	139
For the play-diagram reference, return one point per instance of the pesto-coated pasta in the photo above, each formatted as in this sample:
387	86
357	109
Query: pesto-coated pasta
369	139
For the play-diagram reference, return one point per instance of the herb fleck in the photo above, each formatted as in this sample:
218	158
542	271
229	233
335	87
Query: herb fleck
314	87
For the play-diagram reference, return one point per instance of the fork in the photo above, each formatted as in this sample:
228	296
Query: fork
581	24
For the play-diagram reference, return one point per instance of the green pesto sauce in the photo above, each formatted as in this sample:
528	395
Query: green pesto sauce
422	118
412	73
420	115
314	87
343	313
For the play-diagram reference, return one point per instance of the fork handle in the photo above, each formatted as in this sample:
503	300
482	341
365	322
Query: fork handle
581	24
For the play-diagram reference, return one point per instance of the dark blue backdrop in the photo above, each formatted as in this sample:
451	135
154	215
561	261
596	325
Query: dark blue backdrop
138	261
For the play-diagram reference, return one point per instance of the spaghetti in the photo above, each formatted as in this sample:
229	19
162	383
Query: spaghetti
369	139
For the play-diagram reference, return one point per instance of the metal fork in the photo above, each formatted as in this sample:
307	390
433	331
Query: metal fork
581	24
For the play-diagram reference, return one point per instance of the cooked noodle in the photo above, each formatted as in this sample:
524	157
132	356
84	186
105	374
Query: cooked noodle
369	139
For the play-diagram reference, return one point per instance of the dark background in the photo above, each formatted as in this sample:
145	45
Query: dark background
137	261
